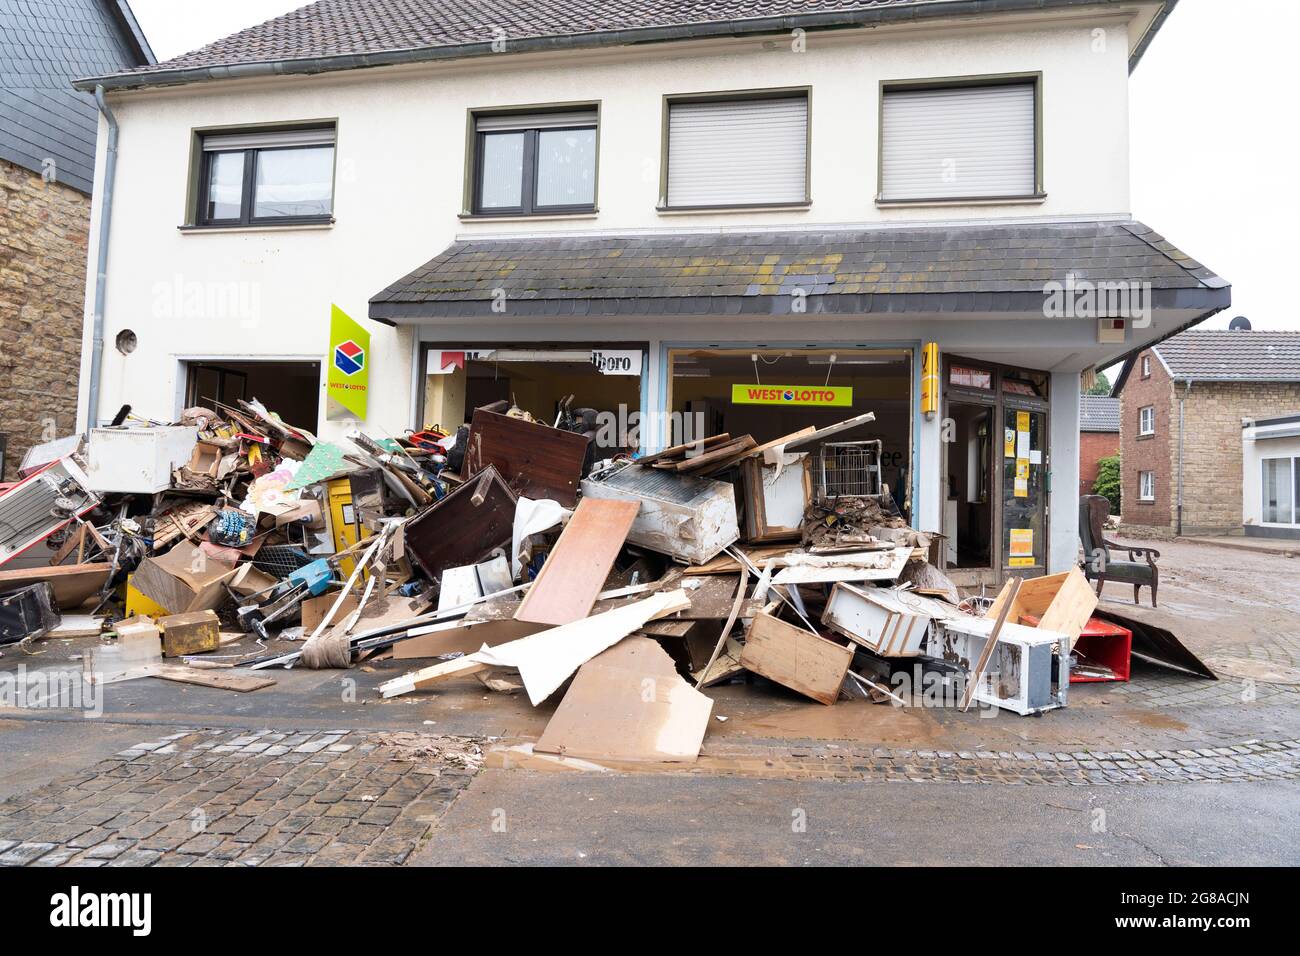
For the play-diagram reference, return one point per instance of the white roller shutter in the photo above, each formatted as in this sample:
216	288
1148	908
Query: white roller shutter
738	152
957	143
267	139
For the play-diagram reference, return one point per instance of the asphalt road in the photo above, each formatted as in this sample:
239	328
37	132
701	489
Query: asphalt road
548	818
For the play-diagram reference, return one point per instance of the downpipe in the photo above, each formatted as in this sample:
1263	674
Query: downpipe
101	256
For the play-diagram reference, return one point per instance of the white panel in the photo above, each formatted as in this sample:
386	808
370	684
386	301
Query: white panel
738	152
269	138
961	142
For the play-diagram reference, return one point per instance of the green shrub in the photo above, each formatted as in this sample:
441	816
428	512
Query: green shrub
1108	483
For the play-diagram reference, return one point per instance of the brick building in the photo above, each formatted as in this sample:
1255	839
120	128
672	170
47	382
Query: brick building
1187	399
47	161
1098	436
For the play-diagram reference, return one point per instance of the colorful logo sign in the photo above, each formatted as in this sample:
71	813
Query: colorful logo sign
349	358
822	396
348	379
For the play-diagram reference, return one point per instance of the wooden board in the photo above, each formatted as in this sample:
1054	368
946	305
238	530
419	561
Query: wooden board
680	451
535	460
714	457
628	704
73	584
578	565
796	658
219	679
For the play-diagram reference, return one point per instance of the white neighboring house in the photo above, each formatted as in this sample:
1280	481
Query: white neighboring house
1270	477
745	220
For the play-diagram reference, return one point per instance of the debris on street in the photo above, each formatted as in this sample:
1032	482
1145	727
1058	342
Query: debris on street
510	554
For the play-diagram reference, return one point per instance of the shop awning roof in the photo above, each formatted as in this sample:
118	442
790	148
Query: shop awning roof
999	268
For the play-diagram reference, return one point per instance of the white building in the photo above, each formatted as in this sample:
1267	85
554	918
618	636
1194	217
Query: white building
804	195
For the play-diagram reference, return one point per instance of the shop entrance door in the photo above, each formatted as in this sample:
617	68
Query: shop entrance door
1024	490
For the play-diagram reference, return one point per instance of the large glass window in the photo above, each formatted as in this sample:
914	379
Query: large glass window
535	163
1281	490
267	176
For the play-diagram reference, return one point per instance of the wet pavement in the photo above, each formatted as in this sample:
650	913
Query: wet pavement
1164	733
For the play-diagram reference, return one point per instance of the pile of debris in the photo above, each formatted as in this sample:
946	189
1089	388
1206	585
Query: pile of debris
621	587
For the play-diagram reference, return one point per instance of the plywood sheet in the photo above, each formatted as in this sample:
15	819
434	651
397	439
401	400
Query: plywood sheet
578	565
629	704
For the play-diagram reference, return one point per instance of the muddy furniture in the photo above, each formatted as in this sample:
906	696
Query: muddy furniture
1099	566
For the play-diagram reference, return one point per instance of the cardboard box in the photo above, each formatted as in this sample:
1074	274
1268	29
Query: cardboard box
184	579
195	633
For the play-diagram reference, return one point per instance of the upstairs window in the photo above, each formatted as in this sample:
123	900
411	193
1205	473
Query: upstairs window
1146	366
1147	420
747	151
532	164
267	177
960	141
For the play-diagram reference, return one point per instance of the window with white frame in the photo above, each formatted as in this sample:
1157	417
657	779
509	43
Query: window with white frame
1146	366
1146	486
959	141
1281	492
1147	420
740	151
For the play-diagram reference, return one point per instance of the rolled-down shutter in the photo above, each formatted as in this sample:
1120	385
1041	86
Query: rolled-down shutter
265	139
958	143
738	152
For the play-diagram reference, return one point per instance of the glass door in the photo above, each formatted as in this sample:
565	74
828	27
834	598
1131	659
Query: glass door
1024	489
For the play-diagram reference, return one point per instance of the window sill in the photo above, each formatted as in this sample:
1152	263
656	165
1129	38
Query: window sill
267	227
1146	501
1036	200
538	217
1145	436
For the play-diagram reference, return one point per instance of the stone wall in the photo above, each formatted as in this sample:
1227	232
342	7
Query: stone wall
1212	448
43	235
1139	453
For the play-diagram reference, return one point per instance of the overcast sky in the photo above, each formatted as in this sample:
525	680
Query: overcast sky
1214	157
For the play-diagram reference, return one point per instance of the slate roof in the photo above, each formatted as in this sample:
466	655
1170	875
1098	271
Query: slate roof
968	268
1098	413
1228	355
43	48
373	32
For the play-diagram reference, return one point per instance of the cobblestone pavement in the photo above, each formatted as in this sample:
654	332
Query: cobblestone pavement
217	798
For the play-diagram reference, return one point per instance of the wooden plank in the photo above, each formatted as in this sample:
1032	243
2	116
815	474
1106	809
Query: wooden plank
535	460
578	565
680	451
711	458
221	680
759	451
796	658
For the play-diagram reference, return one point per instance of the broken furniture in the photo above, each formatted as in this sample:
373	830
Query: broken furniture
1098	564
777	496
535	460
687	518
885	622
796	658
41	504
28	612
1027	671
463	528
72	584
1102	652
1062	603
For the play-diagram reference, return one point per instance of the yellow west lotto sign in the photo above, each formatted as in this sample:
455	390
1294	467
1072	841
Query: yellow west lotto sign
348	378
826	396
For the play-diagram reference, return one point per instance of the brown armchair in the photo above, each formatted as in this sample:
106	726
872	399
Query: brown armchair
1139	569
